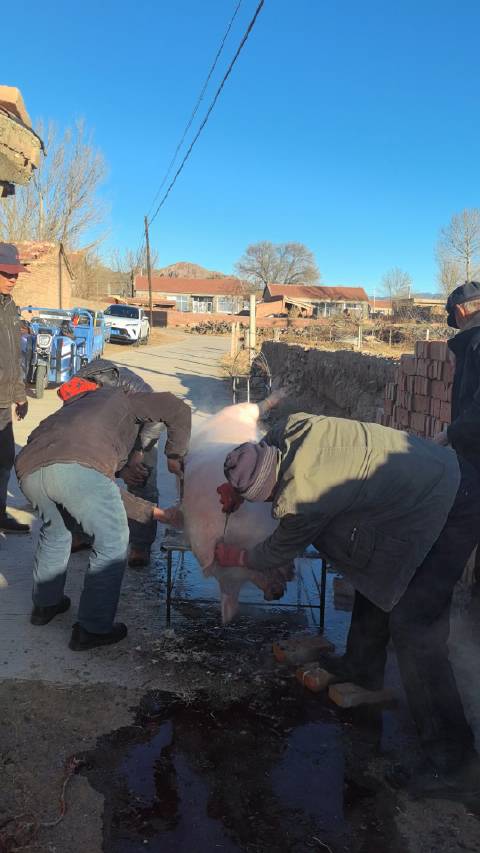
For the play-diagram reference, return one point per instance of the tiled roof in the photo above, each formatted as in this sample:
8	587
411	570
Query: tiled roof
192	286
317	292
33	250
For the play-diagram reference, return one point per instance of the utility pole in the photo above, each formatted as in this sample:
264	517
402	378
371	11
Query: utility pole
60	283
149	275
253	326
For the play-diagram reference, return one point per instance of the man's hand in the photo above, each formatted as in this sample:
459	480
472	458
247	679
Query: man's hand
134	474
229	555
441	438
173	516
21	410
175	466
229	498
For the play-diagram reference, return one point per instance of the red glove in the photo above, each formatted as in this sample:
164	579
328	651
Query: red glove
229	555
229	498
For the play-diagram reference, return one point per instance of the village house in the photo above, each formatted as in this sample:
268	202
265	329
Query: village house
196	295
316	300
48	283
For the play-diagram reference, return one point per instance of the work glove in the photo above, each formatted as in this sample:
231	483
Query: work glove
229	498
229	555
21	410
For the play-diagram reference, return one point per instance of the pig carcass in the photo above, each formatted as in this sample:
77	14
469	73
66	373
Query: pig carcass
203	517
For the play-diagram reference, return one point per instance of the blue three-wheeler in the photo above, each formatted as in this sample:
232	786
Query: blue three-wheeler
57	342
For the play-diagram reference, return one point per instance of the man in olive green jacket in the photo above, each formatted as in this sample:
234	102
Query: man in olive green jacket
399	516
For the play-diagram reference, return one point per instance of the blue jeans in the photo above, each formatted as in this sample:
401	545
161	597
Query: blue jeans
61	490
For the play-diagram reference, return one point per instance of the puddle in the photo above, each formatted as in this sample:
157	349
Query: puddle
270	775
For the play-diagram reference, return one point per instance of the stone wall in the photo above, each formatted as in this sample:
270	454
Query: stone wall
339	383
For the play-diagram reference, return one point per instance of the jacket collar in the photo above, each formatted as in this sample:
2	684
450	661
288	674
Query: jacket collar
465	339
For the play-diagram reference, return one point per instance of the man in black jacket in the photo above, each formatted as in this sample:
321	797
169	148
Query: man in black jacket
463	312
67	470
12	387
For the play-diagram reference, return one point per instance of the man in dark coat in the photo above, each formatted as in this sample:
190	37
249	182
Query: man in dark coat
12	386
399	516
67	470
463	434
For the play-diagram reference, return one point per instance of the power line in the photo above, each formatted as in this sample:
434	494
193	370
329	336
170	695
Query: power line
209	111
199	101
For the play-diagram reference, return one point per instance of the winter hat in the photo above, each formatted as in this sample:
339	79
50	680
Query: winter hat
464	293
252	470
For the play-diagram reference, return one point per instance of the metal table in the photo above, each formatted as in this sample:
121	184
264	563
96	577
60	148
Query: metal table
174	542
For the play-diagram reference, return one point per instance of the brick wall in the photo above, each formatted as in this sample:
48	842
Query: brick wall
40	286
419	398
187	318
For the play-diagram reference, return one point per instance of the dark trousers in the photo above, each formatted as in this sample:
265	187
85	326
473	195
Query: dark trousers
7	457
419	627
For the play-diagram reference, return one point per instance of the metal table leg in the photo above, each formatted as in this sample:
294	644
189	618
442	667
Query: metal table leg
169	585
323	591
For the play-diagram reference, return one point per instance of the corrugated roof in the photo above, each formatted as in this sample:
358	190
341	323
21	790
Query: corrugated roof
192	286
317	292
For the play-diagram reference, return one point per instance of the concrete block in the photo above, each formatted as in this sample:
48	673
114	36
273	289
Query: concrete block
302	649
417	422
408	364
445	411
438	350
350	695
314	678
448	371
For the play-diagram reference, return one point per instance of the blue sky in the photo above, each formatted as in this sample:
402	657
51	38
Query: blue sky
350	126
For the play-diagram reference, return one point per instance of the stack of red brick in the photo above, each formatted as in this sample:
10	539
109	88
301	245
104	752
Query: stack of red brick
419	398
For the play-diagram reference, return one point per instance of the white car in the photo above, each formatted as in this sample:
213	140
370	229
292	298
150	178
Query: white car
127	324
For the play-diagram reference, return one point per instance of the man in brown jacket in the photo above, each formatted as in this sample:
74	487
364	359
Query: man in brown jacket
67	470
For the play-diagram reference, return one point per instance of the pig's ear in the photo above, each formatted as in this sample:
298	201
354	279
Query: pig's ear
229	602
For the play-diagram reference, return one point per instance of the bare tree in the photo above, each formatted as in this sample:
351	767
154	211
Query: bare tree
449	275
285	263
396	283
61	201
459	242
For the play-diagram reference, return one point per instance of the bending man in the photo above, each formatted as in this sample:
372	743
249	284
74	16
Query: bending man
399	517
67	471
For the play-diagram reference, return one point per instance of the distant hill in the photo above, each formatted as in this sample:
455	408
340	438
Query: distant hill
184	269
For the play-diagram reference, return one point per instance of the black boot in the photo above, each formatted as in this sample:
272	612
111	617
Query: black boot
11	525
83	640
44	615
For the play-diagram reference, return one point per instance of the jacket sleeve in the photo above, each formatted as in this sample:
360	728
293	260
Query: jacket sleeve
289	540
20	394
136	508
165	407
464	432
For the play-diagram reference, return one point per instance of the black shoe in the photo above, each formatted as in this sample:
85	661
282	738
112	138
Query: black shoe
44	615
344	671
11	525
428	782
83	640
138	556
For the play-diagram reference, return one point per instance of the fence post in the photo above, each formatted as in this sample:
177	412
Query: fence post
427	336
360	336
234	340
